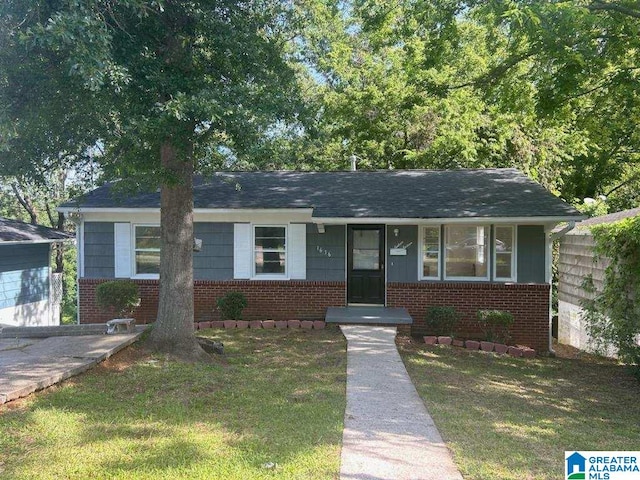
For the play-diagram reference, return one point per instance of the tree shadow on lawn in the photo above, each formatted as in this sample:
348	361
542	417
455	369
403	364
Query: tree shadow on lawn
517	416
277	396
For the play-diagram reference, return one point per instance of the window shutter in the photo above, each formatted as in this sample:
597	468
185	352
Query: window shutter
297	251
122	244
242	250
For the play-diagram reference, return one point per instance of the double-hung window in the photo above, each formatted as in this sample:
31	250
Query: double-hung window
270	250
146	250
504	258
466	252
430	248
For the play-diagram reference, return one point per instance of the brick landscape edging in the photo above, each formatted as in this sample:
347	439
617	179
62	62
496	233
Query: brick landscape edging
257	324
513	350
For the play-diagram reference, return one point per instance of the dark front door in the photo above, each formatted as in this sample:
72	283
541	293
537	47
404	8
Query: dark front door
365	264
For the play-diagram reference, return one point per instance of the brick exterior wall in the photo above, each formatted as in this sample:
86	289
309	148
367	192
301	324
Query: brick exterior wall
274	300
529	304
268	300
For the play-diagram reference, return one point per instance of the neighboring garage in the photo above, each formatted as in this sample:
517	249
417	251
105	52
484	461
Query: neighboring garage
29	294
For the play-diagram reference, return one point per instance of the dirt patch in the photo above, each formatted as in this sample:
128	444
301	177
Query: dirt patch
572	353
124	359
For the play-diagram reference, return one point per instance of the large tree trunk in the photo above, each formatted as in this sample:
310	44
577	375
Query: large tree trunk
173	332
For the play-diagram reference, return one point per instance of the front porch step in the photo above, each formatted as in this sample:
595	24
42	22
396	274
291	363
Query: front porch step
368	315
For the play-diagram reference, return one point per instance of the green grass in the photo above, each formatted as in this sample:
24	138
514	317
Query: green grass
506	418
275	397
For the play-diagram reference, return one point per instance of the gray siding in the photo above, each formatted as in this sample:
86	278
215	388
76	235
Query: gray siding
326	253
402	268
575	264
99	258
24	274
215	260
531	254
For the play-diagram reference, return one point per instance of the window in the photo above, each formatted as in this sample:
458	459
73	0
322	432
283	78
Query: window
504	258
430	261
466	252
366	249
147	250
270	250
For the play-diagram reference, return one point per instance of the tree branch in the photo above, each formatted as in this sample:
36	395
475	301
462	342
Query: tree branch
634	178
497	71
25	202
614	7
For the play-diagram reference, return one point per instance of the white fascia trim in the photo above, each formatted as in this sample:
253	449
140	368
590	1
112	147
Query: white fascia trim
34	242
441	221
107	210
195	210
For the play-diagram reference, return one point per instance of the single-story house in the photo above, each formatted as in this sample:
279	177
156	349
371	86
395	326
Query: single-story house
297	243
576	264
30	294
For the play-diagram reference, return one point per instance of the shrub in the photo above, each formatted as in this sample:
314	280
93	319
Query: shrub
119	297
441	320
495	325
231	305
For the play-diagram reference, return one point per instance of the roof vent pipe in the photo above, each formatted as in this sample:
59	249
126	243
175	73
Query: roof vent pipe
354	161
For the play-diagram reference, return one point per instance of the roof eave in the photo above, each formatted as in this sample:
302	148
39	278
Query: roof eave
537	220
33	242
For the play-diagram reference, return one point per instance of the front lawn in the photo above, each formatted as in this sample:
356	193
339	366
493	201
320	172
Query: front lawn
271	407
507	418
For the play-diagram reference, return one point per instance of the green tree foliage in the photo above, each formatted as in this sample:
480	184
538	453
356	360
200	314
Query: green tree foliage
613	313
548	87
160	89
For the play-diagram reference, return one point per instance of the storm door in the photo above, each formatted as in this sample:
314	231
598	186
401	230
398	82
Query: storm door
365	264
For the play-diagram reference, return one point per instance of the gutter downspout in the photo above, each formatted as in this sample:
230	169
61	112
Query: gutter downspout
552	237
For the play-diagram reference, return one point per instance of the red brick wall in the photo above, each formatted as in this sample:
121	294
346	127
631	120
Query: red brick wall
267	299
529	304
308	300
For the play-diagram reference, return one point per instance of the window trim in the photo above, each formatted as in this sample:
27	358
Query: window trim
269	276
487	277
134	250
421	252
514	252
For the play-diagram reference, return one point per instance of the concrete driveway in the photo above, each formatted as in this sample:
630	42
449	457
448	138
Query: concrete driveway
30	364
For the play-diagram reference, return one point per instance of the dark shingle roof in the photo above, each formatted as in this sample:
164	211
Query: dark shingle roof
610	218
363	194
15	231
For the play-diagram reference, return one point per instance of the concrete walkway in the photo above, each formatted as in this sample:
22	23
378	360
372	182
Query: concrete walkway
30	364
388	433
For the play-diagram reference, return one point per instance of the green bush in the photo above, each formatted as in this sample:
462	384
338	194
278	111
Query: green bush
119	297
231	305
612	312
441	320
495	325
